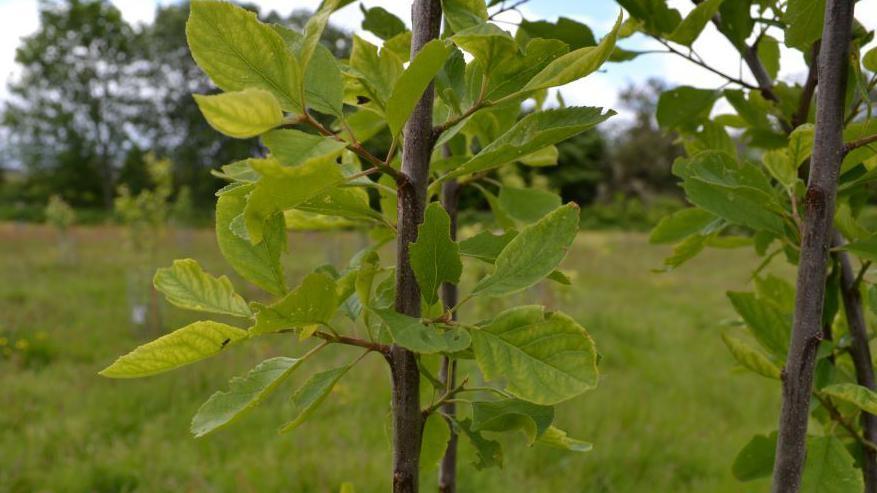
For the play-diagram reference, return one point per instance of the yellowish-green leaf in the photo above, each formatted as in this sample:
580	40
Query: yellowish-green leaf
512	414
435	441
259	264
314	301
282	187
413	82
751	357
532	254
293	147
545	358
781	167
194	342
238	52
555	437
575	64
186	285
857	395
241	114
244	394
314	391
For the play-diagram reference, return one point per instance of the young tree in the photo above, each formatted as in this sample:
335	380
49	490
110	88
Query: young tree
767	200
283	86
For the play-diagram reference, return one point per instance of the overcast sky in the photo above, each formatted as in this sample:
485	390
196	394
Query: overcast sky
19	18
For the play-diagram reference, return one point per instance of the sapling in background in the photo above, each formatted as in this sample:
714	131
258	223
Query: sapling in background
801	142
145	217
61	216
450	118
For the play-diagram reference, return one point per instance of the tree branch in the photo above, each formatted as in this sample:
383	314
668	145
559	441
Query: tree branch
855	144
816	239
700	63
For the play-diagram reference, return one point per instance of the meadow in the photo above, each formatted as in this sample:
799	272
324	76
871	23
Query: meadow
670	413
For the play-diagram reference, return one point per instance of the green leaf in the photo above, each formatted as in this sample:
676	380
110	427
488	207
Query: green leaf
801	143
413	82
690	27
324	84
238	52
485	245
780	166
755	460
313	302
314	30
194	342
283	187
377	72
575	64
656	17
365	277
557	438
684	107
857	395
435	257
436	435
804	20
411	334
866	249
769	53
462	14
750	357
532	133
869	61
830	468
547	156
736	21
533	254
770	325
575	34
684	251
259	264
186	285
314	391
243	395
488	453
527	204
381	23
488	44
742	194
510	77
512	414
545	358
679	225
293	147
241	114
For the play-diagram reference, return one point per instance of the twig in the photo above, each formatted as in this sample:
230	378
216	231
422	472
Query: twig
838	417
700	63
855	144
504	9
447	395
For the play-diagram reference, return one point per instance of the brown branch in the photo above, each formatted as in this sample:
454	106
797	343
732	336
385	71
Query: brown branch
504	9
855	144
347	341
417	147
836	416
438	130
816	239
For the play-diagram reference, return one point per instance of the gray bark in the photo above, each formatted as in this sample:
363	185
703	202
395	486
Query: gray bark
416	150
815	241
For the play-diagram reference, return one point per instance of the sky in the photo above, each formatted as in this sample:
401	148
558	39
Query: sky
18	18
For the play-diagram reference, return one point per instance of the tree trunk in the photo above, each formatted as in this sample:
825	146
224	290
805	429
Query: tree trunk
815	241
416	150
448	467
861	354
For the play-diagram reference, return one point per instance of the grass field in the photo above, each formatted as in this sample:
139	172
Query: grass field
669	416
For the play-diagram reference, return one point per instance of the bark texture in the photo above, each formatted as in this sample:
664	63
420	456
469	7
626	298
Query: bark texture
861	355
448	466
416	150
816	237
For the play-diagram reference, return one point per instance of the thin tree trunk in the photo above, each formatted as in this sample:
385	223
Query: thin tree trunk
448	467
861	354
417	148
815	241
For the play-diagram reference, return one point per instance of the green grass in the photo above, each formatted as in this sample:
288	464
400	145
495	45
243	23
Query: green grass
669	415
